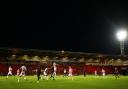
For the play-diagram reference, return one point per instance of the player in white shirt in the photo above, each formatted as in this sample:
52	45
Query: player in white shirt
103	73
18	72
9	71
70	72
55	68
45	73
23	70
95	72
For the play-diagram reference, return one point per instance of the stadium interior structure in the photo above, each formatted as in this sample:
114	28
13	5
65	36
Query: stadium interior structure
80	61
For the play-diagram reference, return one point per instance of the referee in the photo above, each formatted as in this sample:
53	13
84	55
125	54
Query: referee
38	73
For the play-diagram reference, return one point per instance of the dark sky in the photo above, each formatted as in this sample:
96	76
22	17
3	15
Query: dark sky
87	26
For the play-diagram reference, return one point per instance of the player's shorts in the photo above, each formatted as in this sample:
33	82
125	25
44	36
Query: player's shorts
103	74
95	73
9	73
18	73
70	74
65	73
22	74
45	74
116	73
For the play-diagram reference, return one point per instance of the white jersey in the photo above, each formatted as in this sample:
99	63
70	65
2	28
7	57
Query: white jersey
65	71
45	71
23	69
10	71
54	65
70	71
55	68
103	72
95	72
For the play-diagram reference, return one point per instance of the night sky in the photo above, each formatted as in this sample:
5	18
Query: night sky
84	26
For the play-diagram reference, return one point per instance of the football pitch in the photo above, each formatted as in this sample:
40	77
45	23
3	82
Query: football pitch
60	82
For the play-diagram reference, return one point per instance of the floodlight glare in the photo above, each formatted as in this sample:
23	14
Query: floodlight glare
121	35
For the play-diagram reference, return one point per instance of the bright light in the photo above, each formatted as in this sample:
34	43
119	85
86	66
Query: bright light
121	35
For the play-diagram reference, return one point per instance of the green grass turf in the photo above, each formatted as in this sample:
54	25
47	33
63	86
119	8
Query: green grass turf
79	82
